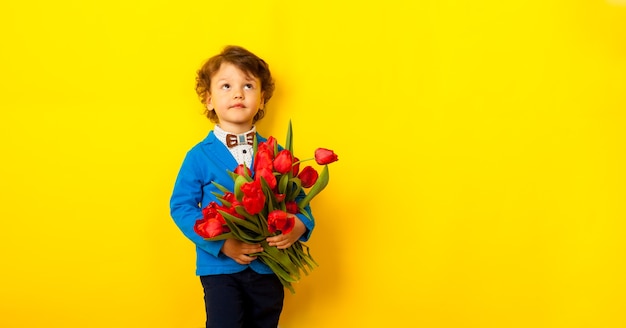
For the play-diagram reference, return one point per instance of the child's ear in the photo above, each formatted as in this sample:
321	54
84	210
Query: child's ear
209	104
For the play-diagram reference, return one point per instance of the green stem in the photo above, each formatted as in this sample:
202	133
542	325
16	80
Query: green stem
303	160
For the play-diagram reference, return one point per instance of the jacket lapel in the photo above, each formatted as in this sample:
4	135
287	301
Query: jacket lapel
218	153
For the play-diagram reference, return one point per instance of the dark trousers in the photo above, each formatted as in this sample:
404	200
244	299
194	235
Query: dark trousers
242	300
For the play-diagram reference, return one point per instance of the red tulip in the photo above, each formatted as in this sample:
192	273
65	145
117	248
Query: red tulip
278	220
283	161
251	188
263	159
296	167
242	169
229	197
271	144
253	198
267	175
308	177
325	156
280	197
292	207
208	228
210	212
232	210
253	204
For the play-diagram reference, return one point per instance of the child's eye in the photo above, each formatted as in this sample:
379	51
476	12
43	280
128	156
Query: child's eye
226	86
249	86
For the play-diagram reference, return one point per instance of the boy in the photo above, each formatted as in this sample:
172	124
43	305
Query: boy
239	291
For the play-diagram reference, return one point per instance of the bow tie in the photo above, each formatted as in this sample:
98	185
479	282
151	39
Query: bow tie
233	140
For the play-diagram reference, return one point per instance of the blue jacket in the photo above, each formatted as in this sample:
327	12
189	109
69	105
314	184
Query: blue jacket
209	161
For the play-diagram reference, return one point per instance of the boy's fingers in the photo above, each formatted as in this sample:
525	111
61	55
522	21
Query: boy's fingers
245	259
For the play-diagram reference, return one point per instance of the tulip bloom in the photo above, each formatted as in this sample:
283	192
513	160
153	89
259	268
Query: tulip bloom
308	177
263	159
229	197
232	210
212	224
280	197
210	212
267	175
208	228
242	169
253	198
278	220
253	204
283	161
271	144
325	156
292	207
296	167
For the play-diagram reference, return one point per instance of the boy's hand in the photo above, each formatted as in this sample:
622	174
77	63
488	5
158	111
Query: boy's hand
283	241
238	250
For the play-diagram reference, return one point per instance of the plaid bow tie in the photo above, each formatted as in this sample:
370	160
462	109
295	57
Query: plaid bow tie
233	140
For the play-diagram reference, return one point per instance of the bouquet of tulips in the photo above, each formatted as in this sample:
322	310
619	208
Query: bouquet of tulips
258	206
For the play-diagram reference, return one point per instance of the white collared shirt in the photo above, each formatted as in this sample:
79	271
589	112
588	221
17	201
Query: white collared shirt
241	153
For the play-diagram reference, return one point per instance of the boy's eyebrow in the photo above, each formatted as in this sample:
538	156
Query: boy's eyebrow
251	77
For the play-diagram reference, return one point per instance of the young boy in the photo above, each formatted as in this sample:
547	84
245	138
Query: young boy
239	291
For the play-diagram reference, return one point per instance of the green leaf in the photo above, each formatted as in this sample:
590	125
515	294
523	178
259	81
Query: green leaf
240	222
311	262
282	183
297	251
276	267
242	229
295	257
255	219
263	224
270	199
221	199
294	191
283	276
243	234
220	187
239	181
221	237
234	175
280	256
289	139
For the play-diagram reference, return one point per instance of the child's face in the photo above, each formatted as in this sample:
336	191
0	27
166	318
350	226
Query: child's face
236	97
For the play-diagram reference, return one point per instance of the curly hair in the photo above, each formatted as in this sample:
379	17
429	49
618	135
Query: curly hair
245	61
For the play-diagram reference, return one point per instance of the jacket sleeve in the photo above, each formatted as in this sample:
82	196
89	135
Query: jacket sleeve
186	201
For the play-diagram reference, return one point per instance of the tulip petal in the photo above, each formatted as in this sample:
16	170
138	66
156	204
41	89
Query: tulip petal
319	185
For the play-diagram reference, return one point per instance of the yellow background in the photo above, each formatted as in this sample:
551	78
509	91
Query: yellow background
481	180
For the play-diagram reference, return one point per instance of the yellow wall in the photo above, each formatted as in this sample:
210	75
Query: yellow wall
481	180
